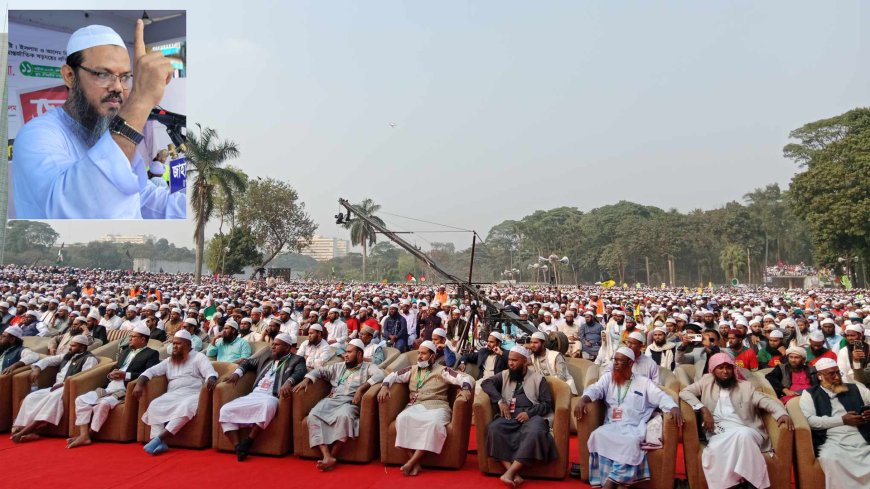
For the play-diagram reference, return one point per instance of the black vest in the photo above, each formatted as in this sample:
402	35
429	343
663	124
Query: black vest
75	363
850	400
12	355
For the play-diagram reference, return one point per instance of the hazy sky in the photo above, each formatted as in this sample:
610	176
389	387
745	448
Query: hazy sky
505	107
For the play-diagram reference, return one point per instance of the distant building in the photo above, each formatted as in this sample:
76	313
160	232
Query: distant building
127	238
323	249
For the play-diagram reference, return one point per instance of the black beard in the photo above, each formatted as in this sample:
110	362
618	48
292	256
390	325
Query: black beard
517	375
4	348
620	322
78	107
729	383
272	334
661	343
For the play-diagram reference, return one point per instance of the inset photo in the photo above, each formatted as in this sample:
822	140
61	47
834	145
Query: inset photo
96	114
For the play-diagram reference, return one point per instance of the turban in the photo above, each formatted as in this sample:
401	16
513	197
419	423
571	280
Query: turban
776	334
285	338
825	363
855	328
357	343
497	335
142	329
637	335
719	359
81	339
797	351
15	331
627	352
429	346
439	332
521	350
184	335
539	336
315	327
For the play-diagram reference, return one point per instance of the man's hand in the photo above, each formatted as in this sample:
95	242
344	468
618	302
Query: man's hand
138	390
8	370
754	339
522	417
709	422
231	379
34	375
461	367
210	383
686	339
786	420
303	386
465	395
153	71
866	415
857	355
56	387
678	417
357	397
788	392
498	351
286	389
504	409
781	349
854	419
384	393
116	374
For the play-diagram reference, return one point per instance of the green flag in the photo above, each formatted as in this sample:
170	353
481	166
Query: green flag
209	311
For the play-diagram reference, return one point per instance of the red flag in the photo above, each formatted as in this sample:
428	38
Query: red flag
410	277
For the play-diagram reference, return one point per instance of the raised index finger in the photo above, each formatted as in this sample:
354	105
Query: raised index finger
139	40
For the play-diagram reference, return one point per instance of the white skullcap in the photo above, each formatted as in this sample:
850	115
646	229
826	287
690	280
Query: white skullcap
817	336
825	363
776	334
94	314
151	307
287	310
797	351
523	311
36	314
521	350
316	327
156	167
190	321
439	332
142	329
626	351
231	323
828	321
497	335
93	35
661	329
548	314
619	312
539	335
285	338
4	304
184	335
429	346
247	320
855	328
112	307
637	335
81	339
357	343
15	331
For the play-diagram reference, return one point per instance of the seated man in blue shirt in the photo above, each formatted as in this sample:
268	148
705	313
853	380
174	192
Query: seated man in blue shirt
229	346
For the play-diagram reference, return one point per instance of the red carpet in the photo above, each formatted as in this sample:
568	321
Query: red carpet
112	465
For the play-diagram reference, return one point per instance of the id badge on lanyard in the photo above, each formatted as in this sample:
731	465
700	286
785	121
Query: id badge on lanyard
616	415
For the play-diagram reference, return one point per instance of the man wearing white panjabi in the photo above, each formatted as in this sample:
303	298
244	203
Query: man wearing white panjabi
422	426
92	408
841	431
735	430
616	458
336	330
315	349
45	406
276	375
186	371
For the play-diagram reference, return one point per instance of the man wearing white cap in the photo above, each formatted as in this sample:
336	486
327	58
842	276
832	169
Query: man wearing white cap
549	362
45	406
490	360
615	454
840	427
288	325
771	355
335	418
315	349
189	325
13	353
422	426
30	323
336	330
661	351
854	355
186	371
276	374
157	168
92	408
374	351
818	348
793	376
445	355
643	364
519	435
229	346
111	320
68	155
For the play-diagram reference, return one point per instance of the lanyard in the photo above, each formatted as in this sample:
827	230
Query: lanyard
620	396
346	374
419	382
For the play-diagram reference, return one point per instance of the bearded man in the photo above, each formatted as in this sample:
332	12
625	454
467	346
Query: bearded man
88	147
661	350
818	348
790	378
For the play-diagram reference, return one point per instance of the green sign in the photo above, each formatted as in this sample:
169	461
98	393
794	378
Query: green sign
38	71
734	281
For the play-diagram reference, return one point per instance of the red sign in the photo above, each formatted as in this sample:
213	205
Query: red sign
38	102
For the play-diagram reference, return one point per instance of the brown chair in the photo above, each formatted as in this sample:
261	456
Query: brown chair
455	447
808	472
669	380
109	350
257	346
363	449
585	373
21	388
117	334
685	375
123	419
6	398
197	432
390	354
761	383
778	466
276	439
555	469
37	344
661	461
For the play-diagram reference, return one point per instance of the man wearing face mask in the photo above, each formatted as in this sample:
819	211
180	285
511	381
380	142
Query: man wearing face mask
88	147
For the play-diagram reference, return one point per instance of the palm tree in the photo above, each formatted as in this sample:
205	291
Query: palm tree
362	233
206	155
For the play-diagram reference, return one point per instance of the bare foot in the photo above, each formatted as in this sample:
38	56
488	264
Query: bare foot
19	438
518	481
328	464
406	471
416	470
79	442
319	465
508	481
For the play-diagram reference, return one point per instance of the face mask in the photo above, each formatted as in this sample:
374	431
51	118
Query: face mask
422	364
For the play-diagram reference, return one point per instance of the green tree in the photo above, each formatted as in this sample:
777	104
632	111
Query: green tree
24	235
277	219
732	259
363	234
229	254
207	156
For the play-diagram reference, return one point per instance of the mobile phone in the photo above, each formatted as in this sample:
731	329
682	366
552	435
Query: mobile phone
697	338
863	409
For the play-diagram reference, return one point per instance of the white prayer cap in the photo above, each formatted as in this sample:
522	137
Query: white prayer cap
357	343
315	327
724	322
548	314
184	335
521	350
81	339
523	311
334	309
637	335
93	35
190	321
36	314
797	351
231	323
828	321
112	307
142	329
15	331
287	310
817	336
247	320
740	320
176	310
285	338
497	335
94	314
626	351
618	312
825	363
156	167
776	334
216	316
151	306
439	332
661	329
670	320
539	336
856	328
429	346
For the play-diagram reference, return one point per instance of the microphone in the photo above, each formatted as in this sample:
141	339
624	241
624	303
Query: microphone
167	118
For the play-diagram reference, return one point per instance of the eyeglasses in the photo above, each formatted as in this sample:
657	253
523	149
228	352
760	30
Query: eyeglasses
106	79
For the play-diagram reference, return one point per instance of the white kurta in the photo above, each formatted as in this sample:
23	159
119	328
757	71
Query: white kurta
316	355
45	404
644	365
178	405
257	408
734	451
93	409
845	455
620	439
